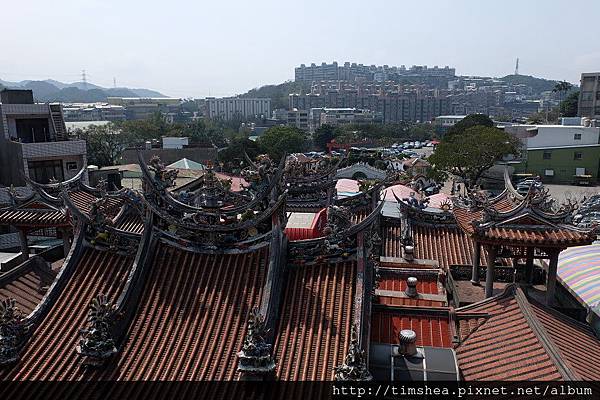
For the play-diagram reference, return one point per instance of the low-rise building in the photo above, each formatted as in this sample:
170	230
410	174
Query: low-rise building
76	112
296	118
34	142
444	122
144	107
342	116
559	153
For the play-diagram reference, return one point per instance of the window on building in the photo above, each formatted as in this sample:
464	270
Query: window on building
547	154
577	136
44	171
585	96
577	155
71	165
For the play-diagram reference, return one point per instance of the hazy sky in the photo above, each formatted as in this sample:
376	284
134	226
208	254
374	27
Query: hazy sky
219	47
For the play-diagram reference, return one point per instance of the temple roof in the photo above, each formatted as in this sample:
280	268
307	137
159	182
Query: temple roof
313	333
432	326
27	284
445	243
50	353
35	214
184	336
514	219
511	337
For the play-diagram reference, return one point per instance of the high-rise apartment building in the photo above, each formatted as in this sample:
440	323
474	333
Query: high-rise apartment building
228	108
412	106
359	72
589	95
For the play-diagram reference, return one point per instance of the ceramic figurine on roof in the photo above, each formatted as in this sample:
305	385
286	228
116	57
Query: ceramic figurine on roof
338	220
259	173
10	328
163	177
310	181
354	367
255	356
96	342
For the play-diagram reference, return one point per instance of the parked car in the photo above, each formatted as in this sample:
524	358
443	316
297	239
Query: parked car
524	185
431	190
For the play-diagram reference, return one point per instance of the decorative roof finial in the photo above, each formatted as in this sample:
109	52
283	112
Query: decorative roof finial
354	367
255	356
10	328
96	341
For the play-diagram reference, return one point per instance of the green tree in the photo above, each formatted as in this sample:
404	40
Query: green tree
323	135
232	157
471	154
470	121
421	132
561	88
544	117
568	107
105	144
282	139
147	129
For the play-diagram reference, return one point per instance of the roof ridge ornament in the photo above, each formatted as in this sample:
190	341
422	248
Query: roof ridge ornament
255	356
10	330
97	343
163	177
354	367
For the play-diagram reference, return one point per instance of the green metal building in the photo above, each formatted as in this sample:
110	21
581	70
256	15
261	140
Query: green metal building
564	165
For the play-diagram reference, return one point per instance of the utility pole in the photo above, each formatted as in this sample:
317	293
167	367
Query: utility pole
517	67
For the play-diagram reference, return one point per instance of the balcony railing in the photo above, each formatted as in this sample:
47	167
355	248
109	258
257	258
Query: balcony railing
53	149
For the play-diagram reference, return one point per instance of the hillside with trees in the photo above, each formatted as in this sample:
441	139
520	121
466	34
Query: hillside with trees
278	94
538	85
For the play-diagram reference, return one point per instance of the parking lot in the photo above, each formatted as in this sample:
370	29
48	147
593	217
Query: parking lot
563	192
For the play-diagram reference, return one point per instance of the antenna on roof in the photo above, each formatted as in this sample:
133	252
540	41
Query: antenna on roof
84	79
517	67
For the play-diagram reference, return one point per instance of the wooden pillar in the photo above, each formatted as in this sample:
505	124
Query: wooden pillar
489	276
551	278
23	243
476	260
528	276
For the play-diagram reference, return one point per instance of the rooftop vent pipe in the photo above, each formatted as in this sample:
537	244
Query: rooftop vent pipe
411	287
408	343
409	252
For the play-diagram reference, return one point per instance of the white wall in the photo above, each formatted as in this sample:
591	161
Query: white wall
554	136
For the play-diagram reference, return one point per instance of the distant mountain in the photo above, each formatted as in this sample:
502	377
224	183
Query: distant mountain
538	85
147	93
76	92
